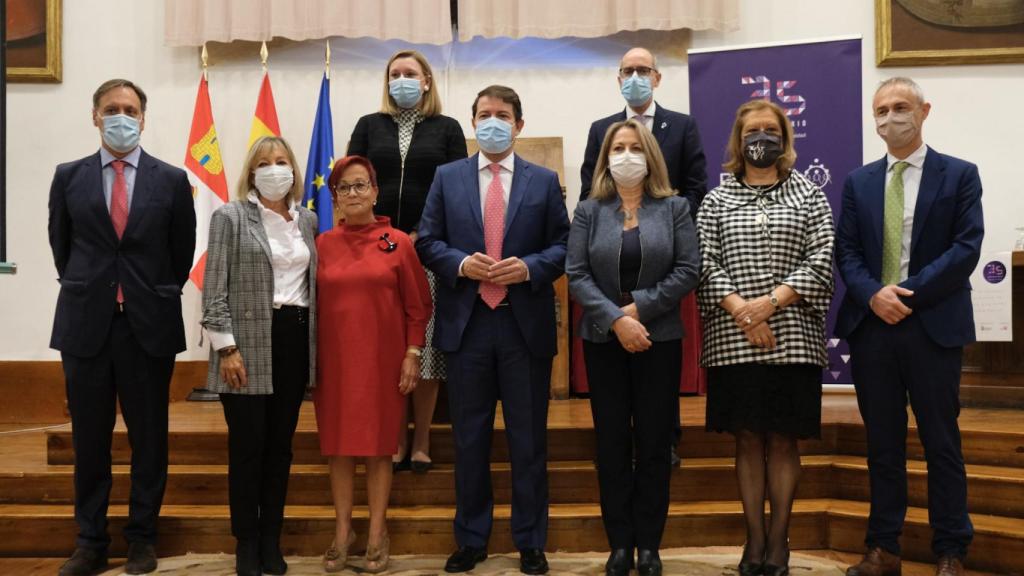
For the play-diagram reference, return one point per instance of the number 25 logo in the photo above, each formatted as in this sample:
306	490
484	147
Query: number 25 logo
765	92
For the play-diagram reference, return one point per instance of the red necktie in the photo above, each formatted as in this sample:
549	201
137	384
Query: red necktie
494	232
119	208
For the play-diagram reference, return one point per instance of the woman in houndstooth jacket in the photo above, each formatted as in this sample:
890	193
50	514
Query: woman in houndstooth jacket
259	309
766	240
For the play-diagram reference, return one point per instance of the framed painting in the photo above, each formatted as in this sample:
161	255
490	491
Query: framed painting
944	32
32	30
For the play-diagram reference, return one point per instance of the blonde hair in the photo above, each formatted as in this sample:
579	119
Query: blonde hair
246	181
430	102
656	183
734	163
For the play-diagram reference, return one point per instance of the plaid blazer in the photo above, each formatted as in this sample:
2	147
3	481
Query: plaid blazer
238	292
750	243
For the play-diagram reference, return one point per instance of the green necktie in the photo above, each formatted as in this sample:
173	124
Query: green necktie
892	231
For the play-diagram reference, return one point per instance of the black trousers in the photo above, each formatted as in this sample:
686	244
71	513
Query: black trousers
634	399
121	372
494	363
891	364
260	431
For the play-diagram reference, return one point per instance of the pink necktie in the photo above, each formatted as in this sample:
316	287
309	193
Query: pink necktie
119	208
494	231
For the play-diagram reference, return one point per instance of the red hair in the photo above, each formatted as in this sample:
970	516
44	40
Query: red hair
343	164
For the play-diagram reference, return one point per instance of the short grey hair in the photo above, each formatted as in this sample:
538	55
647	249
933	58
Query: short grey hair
906	83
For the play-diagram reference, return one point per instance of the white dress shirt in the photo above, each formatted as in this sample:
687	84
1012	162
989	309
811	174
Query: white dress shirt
289	259
485	176
911	186
646	118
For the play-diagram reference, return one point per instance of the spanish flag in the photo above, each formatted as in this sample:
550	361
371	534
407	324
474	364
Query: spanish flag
264	121
205	171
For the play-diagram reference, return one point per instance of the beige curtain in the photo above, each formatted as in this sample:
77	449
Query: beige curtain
193	22
590	18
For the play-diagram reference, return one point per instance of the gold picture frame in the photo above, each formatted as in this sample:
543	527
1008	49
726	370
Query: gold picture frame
928	33
37	57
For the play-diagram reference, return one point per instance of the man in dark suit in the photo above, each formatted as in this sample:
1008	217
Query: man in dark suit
908	239
122	230
680	144
494	231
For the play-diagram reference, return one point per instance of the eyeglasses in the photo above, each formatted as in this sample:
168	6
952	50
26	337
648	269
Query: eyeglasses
642	71
385	244
358	188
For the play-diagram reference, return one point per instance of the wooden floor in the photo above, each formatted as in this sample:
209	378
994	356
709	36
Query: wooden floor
36	494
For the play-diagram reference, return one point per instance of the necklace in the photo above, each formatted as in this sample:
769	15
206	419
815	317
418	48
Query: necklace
629	213
761	187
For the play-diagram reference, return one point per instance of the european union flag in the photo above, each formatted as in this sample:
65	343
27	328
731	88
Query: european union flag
321	158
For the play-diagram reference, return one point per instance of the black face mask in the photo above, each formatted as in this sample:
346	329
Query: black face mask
762	149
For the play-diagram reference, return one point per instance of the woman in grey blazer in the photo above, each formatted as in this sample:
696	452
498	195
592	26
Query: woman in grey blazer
259	309
632	257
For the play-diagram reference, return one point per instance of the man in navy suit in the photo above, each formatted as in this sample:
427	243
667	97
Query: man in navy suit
123	230
680	144
909	237
494	231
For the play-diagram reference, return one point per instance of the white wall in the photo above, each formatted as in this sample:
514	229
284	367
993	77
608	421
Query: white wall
564	85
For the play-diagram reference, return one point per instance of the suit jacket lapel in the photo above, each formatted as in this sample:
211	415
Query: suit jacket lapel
97	199
471	181
661	125
256	228
520	178
141	194
932	174
876	202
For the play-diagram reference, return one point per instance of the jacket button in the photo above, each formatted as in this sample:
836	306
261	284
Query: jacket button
248	314
112	284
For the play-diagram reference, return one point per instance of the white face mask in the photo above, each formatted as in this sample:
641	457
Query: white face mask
628	168
274	182
898	129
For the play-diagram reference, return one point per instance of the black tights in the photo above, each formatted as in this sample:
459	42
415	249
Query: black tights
770	462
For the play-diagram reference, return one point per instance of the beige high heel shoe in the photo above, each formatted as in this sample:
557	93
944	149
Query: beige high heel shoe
377	557
334	559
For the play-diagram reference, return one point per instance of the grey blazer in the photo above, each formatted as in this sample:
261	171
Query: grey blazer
238	292
669	269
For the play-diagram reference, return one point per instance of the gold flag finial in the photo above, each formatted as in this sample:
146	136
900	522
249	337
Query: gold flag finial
206	58
327	59
263	56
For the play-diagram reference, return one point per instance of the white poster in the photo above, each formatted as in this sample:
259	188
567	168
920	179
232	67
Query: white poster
992	296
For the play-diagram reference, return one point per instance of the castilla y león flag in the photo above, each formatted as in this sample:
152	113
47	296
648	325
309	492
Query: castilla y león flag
205	171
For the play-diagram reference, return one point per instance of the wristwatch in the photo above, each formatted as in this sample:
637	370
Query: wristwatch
415	351
773	299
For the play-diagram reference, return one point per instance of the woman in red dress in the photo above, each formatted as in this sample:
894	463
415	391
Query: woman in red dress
374	306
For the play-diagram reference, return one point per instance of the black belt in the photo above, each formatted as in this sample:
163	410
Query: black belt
299	312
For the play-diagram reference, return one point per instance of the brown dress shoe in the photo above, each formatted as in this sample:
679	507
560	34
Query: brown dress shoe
949	566
876	562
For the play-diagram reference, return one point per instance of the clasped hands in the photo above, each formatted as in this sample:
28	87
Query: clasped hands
751	316
886	304
482	267
632	334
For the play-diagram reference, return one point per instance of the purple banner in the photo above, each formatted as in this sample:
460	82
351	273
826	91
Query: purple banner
818	84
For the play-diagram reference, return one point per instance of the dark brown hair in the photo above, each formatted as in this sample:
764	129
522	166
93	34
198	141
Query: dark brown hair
117	83
503	93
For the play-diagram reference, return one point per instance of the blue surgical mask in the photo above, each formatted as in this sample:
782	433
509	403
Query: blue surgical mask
636	90
121	132
494	135
405	91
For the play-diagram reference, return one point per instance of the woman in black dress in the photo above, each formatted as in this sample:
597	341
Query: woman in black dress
766	240
406	141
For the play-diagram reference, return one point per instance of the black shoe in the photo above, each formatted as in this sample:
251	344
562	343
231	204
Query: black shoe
773	570
532	561
648	563
420	466
402	465
247	558
465	558
141	558
271	559
749	567
84	561
619	562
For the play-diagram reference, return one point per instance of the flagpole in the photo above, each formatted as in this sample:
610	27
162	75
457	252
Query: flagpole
206	58
327	59
263	56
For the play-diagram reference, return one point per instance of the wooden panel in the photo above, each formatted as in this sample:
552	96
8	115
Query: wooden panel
33	391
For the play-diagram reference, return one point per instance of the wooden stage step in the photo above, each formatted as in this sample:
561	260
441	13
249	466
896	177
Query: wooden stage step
991	489
817	523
